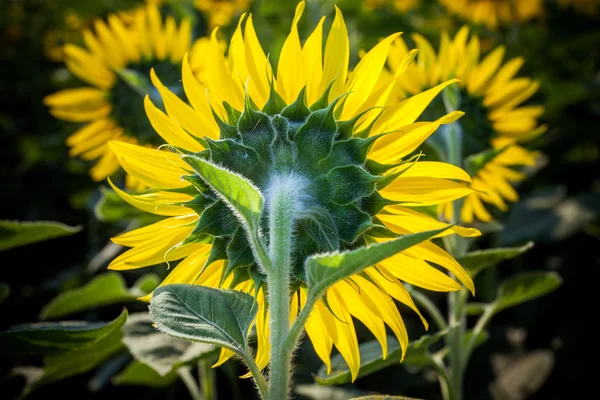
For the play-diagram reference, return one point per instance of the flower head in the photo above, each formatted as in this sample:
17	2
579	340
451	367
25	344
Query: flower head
109	105
494	13
343	139
496	120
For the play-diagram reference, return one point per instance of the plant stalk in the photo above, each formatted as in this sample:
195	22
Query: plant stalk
284	200
190	383
207	378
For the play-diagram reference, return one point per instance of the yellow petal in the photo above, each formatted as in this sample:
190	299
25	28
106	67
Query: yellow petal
312	53
291	74
419	273
76	97
433	169
424	191
258	65
159	203
154	168
168	129
337	56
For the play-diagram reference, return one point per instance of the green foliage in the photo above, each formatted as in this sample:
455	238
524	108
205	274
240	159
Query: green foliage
204	314
324	270
67	352
21	233
477	261
372	360
164	354
108	288
139	374
56	338
524	287
4	292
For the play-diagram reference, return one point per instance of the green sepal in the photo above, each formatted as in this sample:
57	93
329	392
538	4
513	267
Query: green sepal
256	129
218	251
238	157
297	111
198	203
314	140
275	102
378	169
348	152
197	183
233	115
258	279
238	250
351	222
374	203
240	275
323	101
350	183
226	131
217	220
346	128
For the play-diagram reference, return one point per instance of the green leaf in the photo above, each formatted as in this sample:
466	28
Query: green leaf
371	358
164	354
238	192
524	287
138	374
21	233
108	288
203	314
323	270
75	361
56	337
477	261
474	309
137	81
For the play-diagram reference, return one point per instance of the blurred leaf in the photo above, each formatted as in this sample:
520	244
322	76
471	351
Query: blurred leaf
112	208
204	314
524	287
108	288
75	361
161	352
139	82
57	337
474	309
547	216
4	292
21	233
476	261
138	374
371	358
324	270
482	337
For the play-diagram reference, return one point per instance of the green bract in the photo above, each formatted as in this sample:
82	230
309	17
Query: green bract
339	198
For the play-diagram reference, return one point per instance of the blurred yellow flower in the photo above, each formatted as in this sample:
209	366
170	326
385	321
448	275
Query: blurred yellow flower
494	13
297	128
492	98
108	105
399	5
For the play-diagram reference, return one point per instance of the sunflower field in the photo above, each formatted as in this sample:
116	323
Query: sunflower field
318	199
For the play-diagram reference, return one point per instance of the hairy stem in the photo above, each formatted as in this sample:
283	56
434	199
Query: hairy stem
479	327
259	378
284	207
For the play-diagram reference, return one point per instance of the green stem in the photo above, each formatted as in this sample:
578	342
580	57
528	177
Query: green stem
259	378
443	377
479	327
430	307
284	198
207	378
190	383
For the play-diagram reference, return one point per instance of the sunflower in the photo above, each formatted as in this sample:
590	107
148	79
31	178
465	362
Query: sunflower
109	105
586	7
493	13
496	120
318	120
